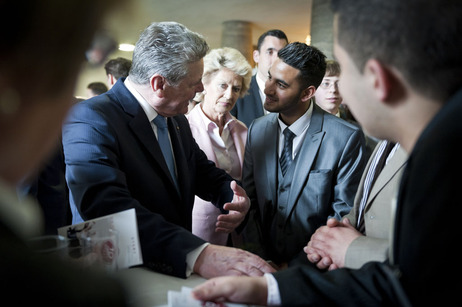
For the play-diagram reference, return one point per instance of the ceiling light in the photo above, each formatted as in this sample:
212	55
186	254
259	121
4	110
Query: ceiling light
308	40
126	47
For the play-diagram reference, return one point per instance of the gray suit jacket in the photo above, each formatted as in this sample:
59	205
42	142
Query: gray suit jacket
327	173
377	215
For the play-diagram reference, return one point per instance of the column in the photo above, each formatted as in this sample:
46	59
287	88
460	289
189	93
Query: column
322	35
238	34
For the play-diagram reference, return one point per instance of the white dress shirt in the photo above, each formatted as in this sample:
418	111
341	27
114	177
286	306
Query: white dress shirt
261	90
299	128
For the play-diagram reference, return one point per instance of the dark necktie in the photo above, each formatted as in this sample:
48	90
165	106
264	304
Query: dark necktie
286	156
164	143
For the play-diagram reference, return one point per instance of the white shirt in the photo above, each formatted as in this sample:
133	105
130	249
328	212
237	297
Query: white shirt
261	90
274	297
223	145
299	128
192	256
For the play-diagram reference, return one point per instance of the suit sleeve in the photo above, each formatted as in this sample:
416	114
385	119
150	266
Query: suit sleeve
98	187
364	249
350	169
374	285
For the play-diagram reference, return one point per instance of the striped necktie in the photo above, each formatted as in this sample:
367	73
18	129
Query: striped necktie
286	155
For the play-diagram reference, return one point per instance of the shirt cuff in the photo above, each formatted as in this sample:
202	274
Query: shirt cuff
274	297
191	258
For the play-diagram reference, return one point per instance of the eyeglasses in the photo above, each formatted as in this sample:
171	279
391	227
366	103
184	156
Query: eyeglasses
327	84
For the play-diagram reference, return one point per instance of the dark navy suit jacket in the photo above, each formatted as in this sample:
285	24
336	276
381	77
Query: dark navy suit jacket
114	162
249	107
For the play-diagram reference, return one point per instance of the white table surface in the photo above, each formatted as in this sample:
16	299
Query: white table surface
149	288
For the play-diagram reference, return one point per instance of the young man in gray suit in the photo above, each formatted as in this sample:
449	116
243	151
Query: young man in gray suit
297	181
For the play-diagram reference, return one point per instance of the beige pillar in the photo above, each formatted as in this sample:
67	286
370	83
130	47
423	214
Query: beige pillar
238	34
322	36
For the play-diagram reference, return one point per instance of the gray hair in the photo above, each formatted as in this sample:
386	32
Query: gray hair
231	59
166	48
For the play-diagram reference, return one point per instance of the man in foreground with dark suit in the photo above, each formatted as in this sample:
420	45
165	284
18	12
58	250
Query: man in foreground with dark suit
250	106
132	148
401	69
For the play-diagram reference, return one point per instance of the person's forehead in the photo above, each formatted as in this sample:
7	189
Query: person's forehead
331	78
279	67
272	42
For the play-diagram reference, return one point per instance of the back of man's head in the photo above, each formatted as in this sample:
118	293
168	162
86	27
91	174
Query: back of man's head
118	67
421	39
97	88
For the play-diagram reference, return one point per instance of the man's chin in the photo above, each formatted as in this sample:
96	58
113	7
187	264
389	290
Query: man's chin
269	106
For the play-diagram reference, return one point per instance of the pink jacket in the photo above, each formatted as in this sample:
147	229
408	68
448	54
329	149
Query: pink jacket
205	213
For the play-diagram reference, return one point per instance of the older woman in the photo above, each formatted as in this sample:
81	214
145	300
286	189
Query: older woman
221	136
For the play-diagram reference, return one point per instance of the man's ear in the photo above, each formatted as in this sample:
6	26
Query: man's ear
256	56
308	93
158	84
381	79
111	79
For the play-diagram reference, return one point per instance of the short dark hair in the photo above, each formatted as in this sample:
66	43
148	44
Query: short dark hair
118	67
309	60
274	32
421	39
97	88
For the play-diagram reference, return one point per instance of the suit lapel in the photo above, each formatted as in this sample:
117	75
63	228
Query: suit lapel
180	158
359	193
388	172
305	157
140	125
270	153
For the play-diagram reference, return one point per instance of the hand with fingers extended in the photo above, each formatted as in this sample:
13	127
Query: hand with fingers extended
217	260
237	210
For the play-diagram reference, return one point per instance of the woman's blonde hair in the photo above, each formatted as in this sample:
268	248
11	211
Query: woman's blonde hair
231	59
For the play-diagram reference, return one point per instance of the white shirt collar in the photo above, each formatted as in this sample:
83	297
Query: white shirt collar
207	121
301	124
151	113
261	90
